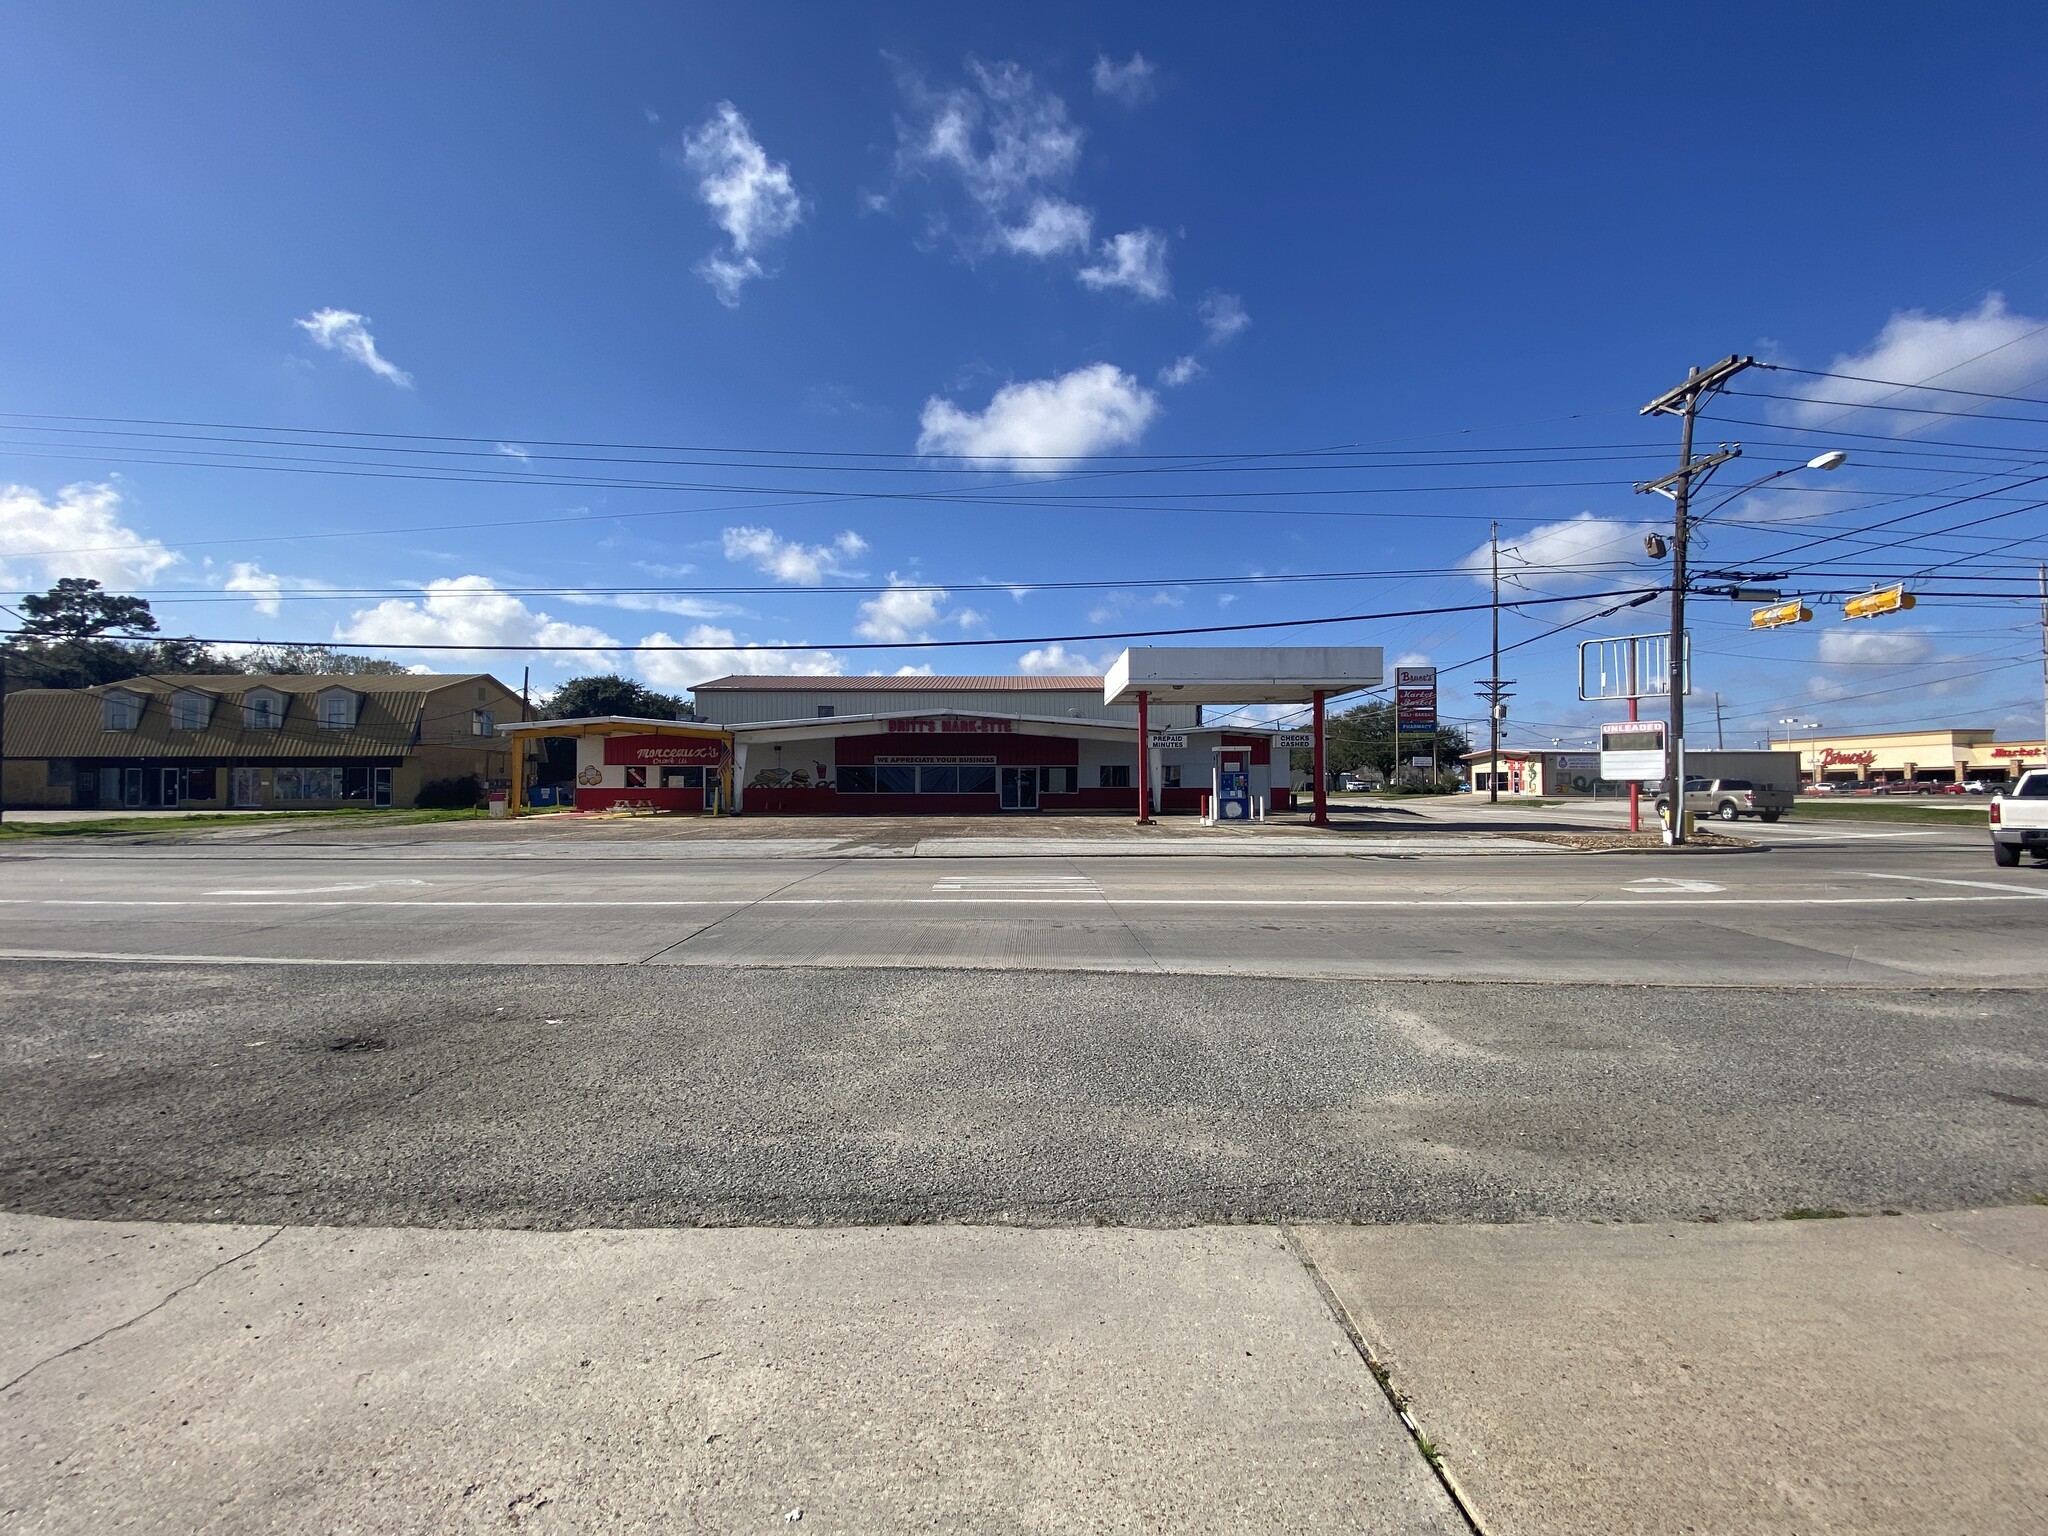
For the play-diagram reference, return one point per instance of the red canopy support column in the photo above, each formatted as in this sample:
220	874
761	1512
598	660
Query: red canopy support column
1322	800
1144	759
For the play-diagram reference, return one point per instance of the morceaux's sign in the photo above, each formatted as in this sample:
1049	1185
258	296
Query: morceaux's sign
948	725
663	751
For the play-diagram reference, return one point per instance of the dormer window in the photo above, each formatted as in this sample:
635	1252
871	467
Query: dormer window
191	710
120	710
262	710
337	709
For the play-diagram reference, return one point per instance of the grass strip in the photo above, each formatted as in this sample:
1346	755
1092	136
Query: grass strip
128	826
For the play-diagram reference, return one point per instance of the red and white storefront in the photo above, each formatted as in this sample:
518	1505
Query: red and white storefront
954	764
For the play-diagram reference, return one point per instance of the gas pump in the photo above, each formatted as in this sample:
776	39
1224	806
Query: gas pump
1233	787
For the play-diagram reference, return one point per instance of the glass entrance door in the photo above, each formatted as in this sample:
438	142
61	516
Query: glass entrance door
1019	789
245	787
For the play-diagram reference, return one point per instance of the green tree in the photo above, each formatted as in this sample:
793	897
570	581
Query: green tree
77	609
315	661
1364	738
609	694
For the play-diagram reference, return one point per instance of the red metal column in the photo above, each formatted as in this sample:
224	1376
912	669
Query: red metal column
1144	759
1635	790
1322	801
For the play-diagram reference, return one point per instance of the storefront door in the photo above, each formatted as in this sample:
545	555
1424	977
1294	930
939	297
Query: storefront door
246	788
380	786
1020	789
131	786
171	778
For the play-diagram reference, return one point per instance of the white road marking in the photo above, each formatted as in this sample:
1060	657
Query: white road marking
1982	885
1079	885
1643	902
1652	885
318	890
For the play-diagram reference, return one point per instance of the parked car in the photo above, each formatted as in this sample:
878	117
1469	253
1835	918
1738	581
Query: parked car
2019	820
1731	800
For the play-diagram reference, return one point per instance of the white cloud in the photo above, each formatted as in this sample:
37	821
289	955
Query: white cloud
265	589
1013	151
344	331
1114	605
1222	315
1867	655
1053	225
1033	425
1057	661
1412	659
514	451
1130	82
1992	350
1559	554
752	198
904	612
1134	260
1011	145
918	671
787	560
723	655
654	602
471	612
1180	371
79	533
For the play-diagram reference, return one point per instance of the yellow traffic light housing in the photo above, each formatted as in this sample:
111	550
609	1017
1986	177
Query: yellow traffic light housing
1868	605
1779	615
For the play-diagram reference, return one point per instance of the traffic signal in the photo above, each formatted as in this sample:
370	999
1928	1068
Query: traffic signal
1868	605
1794	612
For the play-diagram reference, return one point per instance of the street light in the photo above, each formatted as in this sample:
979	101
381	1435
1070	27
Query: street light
1808	725
1691	474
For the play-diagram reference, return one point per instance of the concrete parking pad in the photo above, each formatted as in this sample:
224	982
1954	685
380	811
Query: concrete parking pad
892	1379
1876	1375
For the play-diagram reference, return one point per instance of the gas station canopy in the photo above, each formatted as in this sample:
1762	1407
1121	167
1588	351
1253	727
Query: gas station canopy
1229	674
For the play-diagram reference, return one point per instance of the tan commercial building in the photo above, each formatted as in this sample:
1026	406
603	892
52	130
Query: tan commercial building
271	742
1947	756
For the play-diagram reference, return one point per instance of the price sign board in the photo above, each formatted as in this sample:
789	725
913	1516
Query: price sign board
1415	698
1632	751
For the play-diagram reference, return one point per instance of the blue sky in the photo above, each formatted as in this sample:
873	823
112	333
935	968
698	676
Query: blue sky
958	302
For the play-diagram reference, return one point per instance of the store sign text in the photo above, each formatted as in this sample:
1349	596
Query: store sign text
949	725
662	751
2021	751
1832	755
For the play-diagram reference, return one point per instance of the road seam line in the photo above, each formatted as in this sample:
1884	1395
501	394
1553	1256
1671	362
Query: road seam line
1384	1379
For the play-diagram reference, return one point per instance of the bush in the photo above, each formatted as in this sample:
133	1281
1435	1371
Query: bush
463	794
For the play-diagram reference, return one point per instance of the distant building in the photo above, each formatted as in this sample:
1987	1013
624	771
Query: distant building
270	742
1947	755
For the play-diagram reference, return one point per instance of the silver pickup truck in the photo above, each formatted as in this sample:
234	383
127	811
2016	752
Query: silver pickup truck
2019	820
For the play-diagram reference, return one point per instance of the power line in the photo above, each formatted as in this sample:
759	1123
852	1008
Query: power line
1858	378
907	645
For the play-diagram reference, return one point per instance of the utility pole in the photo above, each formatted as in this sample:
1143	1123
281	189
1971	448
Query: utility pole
1720	742
1684	402
1493	688
2044	662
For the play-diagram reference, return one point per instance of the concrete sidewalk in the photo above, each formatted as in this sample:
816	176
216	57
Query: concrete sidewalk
1885	1374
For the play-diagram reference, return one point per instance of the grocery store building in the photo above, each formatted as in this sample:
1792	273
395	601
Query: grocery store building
1934	756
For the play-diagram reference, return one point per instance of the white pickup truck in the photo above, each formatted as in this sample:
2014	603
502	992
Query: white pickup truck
2019	820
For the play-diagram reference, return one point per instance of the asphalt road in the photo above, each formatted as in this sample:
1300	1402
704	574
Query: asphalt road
1818	906
633	1033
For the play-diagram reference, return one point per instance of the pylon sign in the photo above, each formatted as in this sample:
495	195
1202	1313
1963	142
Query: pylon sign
1869	605
1779	615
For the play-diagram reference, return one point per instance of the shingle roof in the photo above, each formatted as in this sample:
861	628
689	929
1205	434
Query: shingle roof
744	683
58	722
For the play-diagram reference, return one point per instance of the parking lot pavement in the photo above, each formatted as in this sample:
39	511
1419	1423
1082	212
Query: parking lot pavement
1881	1376
244	1379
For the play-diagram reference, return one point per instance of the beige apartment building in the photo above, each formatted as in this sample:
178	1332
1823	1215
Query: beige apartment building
271	742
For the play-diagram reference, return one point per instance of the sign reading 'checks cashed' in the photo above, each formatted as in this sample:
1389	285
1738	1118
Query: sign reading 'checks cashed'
664	751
